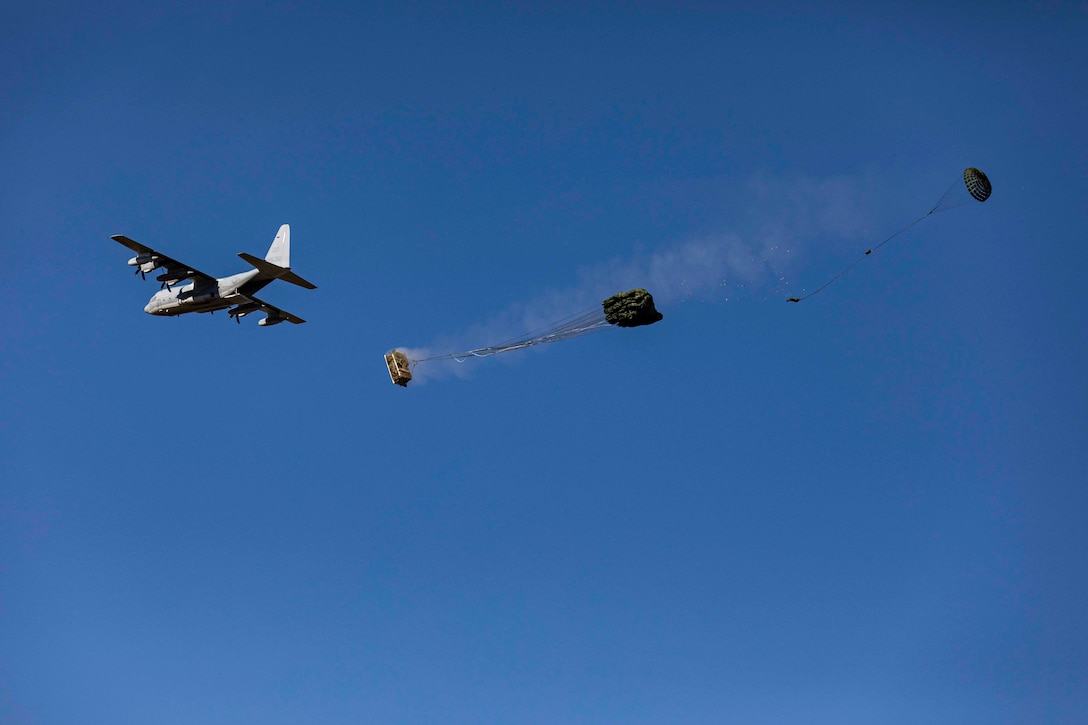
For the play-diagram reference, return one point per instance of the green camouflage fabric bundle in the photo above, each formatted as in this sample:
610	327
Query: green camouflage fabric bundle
631	309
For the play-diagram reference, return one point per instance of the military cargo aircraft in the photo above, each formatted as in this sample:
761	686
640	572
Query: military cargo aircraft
185	289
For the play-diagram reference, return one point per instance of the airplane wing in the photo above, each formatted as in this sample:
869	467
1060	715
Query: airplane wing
275	314
148	260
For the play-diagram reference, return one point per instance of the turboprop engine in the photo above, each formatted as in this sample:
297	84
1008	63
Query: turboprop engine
242	310
144	263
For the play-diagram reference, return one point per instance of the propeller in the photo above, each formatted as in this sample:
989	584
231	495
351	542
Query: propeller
240	311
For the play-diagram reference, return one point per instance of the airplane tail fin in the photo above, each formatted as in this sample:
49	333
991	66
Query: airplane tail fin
277	263
279	253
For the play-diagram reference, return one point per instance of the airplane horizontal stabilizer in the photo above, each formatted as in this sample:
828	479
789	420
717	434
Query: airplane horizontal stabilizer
276	272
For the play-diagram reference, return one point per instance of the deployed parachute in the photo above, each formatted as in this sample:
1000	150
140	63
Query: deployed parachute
632	308
974	187
977	183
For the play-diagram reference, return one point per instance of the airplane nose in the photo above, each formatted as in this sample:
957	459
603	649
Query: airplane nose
147	308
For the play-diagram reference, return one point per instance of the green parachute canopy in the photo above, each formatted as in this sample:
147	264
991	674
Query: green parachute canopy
632	308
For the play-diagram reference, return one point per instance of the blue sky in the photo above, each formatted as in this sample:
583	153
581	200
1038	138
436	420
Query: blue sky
868	507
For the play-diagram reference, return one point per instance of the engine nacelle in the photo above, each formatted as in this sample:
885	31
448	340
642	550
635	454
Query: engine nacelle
171	277
243	309
270	320
141	259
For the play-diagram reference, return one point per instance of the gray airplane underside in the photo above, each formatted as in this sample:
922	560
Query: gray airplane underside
184	289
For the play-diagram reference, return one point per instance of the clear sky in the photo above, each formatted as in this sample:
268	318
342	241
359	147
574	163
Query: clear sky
865	508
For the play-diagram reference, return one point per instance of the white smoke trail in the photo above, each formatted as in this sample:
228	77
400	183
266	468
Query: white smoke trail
779	220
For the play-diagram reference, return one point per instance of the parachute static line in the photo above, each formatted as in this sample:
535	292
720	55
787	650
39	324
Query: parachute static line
977	187
633	308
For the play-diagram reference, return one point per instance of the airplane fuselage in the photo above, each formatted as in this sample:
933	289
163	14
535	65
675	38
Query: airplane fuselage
186	289
188	297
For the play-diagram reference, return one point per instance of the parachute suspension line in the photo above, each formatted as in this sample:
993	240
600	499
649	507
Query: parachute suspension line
574	326
567	326
975	185
955	197
857	261
948	200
